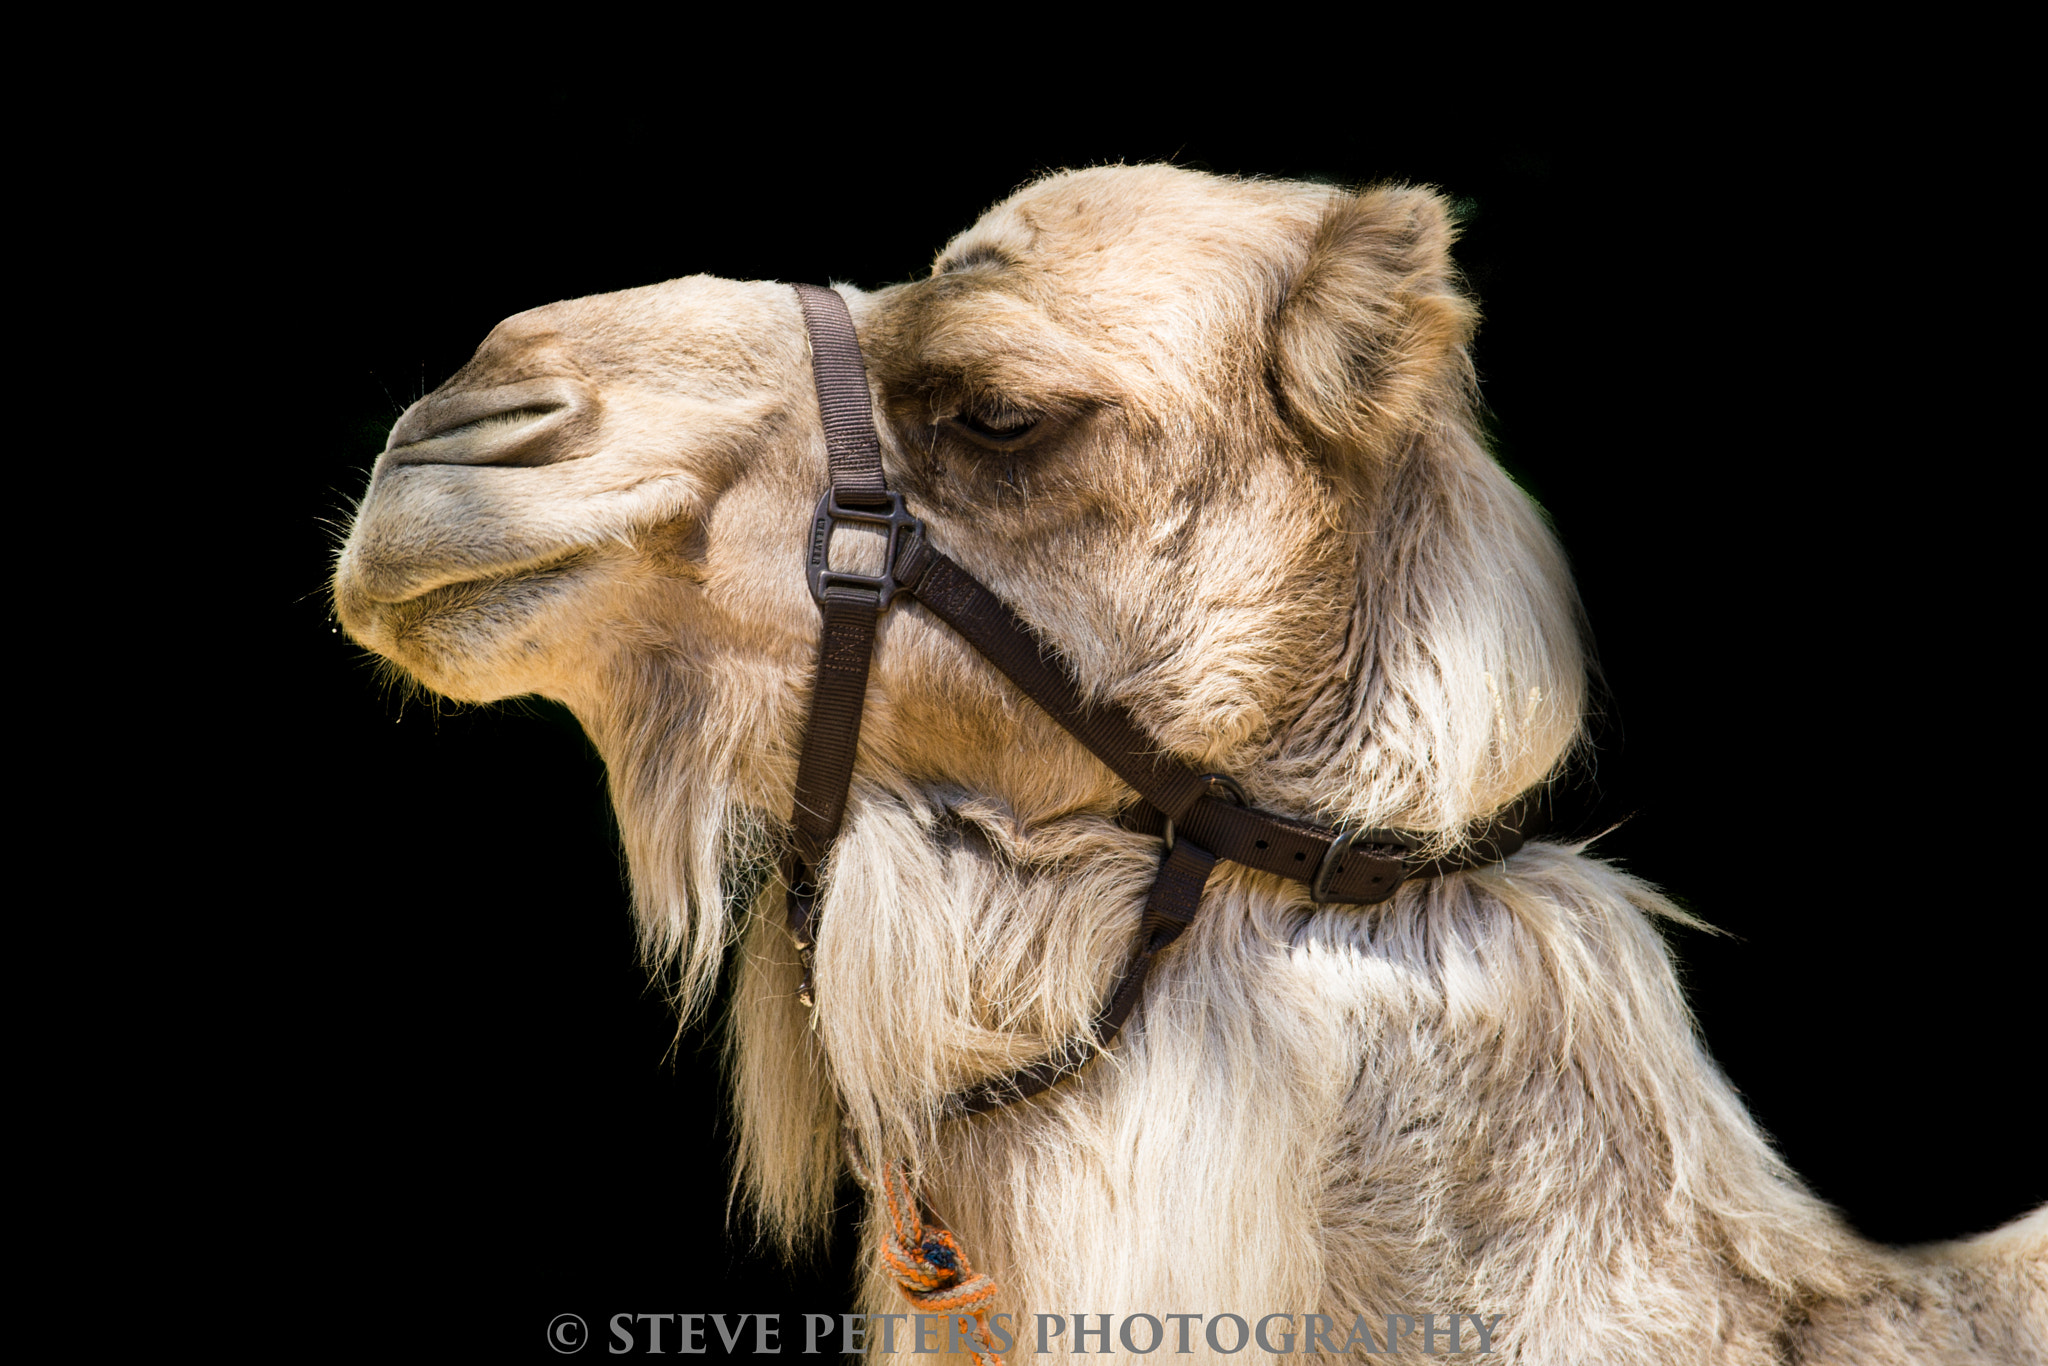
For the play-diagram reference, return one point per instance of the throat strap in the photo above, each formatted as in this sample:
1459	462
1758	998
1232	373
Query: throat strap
1169	909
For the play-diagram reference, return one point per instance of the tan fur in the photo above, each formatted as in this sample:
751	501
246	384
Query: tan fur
1258	513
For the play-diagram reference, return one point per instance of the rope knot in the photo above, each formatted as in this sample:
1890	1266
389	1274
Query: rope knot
930	1269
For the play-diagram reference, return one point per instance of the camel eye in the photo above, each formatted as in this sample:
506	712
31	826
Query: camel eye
993	425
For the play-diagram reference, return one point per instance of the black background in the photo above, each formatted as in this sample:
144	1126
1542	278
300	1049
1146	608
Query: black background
1755	357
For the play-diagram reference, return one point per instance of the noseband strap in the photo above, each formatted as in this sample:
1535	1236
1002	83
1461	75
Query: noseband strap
1341	867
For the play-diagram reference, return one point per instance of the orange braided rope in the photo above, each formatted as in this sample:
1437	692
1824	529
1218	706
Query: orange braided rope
930	1269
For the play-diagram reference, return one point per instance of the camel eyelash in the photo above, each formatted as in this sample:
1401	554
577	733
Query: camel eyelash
994	424
1002	428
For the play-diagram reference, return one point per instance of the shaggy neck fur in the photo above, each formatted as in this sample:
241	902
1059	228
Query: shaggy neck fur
1484	1096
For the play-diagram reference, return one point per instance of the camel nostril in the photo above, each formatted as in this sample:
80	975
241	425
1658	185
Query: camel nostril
533	422
512	417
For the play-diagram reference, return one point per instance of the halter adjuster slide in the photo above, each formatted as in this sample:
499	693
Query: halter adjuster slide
831	511
1230	789
1333	861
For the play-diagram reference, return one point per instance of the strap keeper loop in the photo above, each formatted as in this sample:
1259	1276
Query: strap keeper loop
1230	789
899	525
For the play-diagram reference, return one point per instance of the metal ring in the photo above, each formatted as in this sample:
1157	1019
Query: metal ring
1222	780
1327	870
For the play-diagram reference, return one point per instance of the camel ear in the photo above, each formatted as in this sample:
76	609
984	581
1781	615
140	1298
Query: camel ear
1374	326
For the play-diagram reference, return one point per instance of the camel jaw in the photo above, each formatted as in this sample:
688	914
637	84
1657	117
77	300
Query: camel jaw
468	572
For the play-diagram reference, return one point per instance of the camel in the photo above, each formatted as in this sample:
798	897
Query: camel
1214	442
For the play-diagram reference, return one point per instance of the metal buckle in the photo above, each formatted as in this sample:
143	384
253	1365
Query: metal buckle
1230	788
1333	860
831	510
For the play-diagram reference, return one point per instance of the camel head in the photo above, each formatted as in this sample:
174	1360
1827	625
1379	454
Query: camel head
1212	439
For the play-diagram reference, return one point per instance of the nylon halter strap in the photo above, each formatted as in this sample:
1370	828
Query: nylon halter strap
1203	817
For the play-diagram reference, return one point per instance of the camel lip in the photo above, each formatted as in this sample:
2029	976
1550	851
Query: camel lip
532	422
373	584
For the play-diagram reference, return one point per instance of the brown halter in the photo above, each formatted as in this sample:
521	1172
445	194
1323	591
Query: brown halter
1203	816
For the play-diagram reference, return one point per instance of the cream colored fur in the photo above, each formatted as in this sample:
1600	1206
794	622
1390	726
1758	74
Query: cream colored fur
1256	511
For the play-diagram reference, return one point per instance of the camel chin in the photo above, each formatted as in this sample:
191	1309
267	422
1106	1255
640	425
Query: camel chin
477	640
